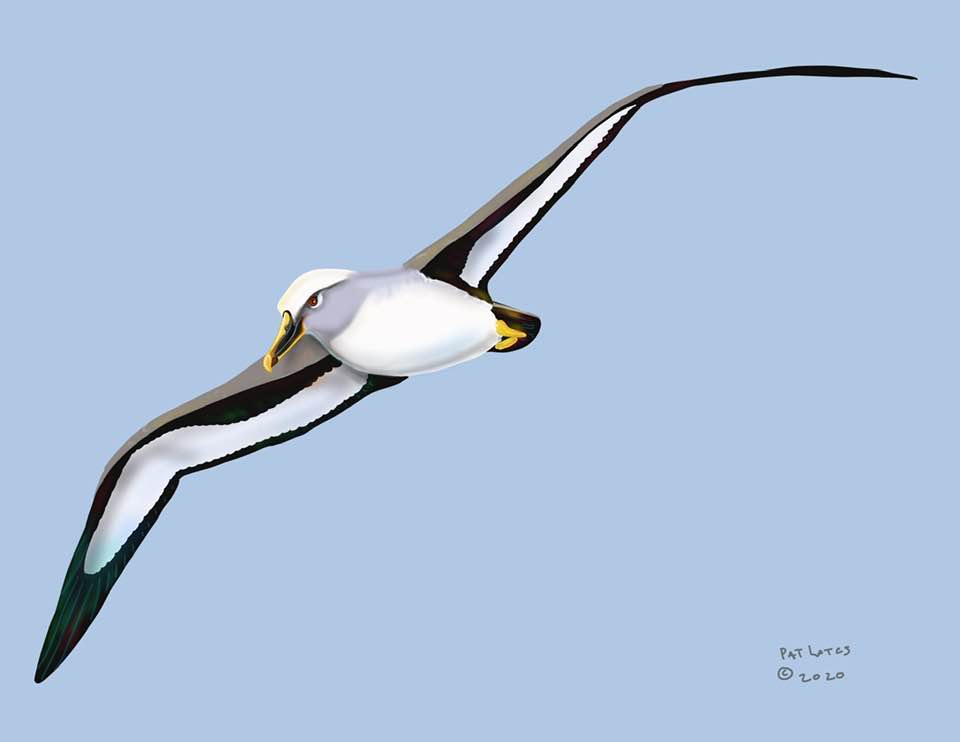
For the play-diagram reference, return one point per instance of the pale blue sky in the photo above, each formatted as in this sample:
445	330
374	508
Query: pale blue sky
738	425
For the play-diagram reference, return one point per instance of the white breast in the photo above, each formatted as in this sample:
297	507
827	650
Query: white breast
414	326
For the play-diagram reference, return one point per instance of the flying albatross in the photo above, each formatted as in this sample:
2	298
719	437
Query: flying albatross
343	335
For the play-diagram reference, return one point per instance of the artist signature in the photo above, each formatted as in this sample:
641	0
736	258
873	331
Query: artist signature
799	653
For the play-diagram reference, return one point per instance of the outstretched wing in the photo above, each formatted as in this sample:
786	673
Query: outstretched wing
469	255
248	413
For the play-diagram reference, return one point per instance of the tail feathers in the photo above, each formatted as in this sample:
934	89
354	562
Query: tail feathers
528	324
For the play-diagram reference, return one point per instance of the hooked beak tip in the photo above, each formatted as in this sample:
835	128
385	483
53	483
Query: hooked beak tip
288	335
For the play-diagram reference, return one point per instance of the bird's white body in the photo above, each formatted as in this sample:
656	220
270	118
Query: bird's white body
402	323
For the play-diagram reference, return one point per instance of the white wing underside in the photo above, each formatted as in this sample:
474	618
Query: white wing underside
152	466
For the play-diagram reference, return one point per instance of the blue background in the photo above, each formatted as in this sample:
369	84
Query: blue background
739	422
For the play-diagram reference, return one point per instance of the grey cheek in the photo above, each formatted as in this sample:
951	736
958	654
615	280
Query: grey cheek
312	323
335	314
325	322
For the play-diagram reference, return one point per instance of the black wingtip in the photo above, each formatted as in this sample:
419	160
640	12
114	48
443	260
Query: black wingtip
70	622
47	666
81	598
49	660
829	70
815	70
58	643
898	75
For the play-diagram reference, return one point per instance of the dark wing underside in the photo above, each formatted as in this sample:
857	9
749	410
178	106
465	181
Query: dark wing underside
309	381
473	252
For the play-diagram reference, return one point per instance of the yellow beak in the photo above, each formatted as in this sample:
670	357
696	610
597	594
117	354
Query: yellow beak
288	335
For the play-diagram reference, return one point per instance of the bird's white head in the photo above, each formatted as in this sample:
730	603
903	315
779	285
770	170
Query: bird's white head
304	295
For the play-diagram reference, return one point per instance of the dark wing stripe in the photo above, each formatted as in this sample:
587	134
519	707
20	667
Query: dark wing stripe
83	594
306	353
448	258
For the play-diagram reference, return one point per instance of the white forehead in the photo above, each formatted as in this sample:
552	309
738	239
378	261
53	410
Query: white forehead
301	289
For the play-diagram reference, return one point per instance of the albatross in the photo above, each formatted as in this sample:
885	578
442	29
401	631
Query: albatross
343	336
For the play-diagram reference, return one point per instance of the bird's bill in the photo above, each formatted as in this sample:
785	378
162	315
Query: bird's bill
288	335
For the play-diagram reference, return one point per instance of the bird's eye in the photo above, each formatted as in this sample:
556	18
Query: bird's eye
313	301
